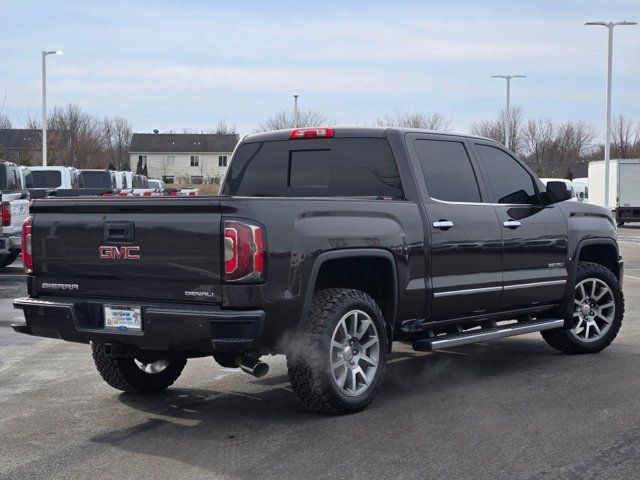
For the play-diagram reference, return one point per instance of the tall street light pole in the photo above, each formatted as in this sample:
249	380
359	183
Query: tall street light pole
607	140
295	110
507	123
44	102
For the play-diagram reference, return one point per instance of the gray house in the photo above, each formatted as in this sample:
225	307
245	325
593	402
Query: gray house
24	146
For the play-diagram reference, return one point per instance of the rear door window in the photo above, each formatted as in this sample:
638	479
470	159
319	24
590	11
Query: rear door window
330	167
447	170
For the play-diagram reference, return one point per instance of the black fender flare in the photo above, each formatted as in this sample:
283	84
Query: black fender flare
573	267
351	253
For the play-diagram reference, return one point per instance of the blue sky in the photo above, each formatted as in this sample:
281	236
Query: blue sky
175	65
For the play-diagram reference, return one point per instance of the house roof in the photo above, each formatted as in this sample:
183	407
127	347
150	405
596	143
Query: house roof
183	142
29	138
20	138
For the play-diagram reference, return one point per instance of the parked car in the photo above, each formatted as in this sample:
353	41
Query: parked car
326	245
14	207
45	180
157	185
95	182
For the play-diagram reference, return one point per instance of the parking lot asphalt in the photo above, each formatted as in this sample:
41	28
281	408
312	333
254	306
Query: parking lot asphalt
512	408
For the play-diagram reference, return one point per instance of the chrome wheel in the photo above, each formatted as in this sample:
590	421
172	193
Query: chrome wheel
354	353
594	311
153	367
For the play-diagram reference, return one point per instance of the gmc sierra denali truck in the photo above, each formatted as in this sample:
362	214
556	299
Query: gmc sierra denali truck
326	245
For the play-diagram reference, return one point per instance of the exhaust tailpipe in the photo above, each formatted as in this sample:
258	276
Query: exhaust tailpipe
253	366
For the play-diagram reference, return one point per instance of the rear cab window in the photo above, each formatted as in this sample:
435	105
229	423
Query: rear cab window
98	179
46	178
326	167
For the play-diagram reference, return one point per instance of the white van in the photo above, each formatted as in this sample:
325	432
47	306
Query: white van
581	186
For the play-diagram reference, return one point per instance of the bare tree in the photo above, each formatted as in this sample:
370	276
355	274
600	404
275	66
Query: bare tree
284	119
86	137
224	128
4	120
494	128
625	138
429	121
539	137
117	133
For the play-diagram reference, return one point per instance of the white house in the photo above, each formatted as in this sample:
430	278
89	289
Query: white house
182	157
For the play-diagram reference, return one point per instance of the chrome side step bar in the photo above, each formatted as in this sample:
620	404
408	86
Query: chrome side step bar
480	335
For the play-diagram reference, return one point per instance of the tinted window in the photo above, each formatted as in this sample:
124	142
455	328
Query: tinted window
97	179
447	170
510	182
315	167
9	178
46	179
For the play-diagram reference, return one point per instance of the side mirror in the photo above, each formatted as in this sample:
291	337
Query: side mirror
557	192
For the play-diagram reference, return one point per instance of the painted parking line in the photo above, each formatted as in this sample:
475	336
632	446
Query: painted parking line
632	277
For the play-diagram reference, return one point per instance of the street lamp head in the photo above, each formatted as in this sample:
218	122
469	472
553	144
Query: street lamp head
626	23
52	52
58	52
603	24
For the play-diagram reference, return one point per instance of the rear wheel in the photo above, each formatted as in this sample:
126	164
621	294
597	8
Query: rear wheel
339	362
598	309
143	375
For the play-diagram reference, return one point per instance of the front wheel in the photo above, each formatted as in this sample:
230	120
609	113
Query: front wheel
338	362
144	375
598	309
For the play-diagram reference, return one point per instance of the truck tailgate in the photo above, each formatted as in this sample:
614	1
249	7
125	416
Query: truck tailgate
165	249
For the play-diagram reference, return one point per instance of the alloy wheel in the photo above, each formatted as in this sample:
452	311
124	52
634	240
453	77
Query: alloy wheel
354	353
594	311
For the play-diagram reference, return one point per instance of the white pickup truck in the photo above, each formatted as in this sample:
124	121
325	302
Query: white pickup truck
14	202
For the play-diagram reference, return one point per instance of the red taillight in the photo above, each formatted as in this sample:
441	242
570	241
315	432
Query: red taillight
6	214
300	133
147	194
243	252
27	251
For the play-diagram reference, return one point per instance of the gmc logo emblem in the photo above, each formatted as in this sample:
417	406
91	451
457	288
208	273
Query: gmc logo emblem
107	252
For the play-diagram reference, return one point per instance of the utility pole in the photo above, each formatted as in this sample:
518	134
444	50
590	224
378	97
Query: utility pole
44	102
607	134
507	123
295	110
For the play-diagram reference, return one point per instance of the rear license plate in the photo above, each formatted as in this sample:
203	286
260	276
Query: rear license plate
122	317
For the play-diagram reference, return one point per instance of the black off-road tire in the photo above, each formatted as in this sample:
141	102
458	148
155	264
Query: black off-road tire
308	360
8	259
122	373
562	339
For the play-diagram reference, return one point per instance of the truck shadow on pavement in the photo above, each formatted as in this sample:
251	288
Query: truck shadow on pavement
242	434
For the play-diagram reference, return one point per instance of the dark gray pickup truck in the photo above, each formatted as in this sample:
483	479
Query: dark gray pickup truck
326	245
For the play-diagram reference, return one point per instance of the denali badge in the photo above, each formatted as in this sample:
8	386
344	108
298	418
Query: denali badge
199	294
107	252
59	286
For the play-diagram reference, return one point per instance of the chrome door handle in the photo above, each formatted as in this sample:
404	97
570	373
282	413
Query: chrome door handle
443	224
512	224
